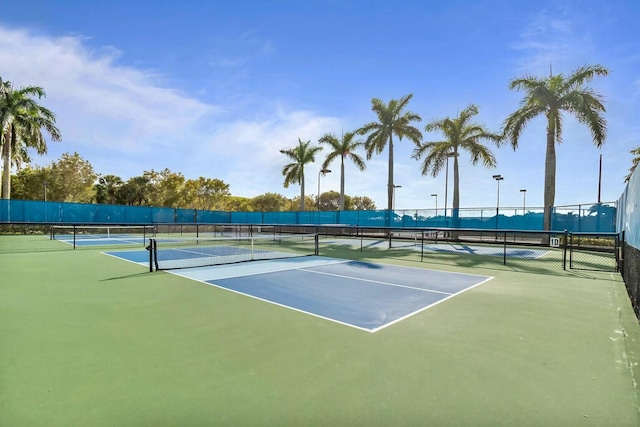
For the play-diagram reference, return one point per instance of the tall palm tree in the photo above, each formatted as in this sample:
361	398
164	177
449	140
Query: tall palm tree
550	97
392	120
459	134
21	121
343	147
636	160
301	155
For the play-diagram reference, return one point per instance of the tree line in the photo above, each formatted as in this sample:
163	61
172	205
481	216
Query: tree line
73	179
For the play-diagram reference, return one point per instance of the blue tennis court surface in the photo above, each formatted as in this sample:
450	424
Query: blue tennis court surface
362	295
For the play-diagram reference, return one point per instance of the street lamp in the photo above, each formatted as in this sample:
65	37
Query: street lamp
436	196
524	200
394	195
323	172
498	178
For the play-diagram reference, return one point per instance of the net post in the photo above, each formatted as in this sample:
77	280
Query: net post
74	236
150	249
154	249
421	246
316	244
564	250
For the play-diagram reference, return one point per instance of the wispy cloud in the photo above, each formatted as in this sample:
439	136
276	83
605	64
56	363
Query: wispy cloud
549	40
94	95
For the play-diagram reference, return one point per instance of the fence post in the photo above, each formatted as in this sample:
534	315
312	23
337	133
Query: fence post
504	253
564	252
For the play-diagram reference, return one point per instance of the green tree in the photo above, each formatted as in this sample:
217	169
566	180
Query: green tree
238	204
21	122
166	188
363	203
308	201
29	183
636	159
293	173
392	120
107	189
460	133
343	148
331	200
550	97
270	202
134	192
207	193
72	179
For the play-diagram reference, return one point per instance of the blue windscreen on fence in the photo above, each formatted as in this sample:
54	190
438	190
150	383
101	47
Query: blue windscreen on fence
599	217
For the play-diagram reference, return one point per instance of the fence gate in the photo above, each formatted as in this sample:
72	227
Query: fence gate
594	251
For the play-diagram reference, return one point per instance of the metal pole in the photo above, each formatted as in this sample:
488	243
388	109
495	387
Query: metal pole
436	196
600	180
498	178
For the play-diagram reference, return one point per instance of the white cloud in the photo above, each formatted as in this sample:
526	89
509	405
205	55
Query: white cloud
97	101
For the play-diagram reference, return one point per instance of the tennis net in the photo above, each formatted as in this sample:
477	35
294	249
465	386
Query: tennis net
188	252
102	235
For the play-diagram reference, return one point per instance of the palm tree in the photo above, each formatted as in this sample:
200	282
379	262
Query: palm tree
636	159
294	172
392	119
550	97
21	120
459	134
344	148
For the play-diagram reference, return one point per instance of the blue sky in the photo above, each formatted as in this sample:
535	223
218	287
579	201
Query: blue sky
216	88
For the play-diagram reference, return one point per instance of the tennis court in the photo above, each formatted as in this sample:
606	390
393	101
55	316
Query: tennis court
359	294
89	339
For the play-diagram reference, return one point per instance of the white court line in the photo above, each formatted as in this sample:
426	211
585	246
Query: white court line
252	268
375	281
400	319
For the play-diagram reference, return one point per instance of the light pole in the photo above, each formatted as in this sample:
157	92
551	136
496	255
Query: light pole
498	178
323	172
436	196
44	185
394	195
524	200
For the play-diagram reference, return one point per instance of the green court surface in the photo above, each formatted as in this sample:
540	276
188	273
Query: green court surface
87	339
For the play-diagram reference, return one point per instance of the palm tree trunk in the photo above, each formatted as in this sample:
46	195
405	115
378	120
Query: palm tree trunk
390	187
549	177
6	165
342	183
456	193
302	192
